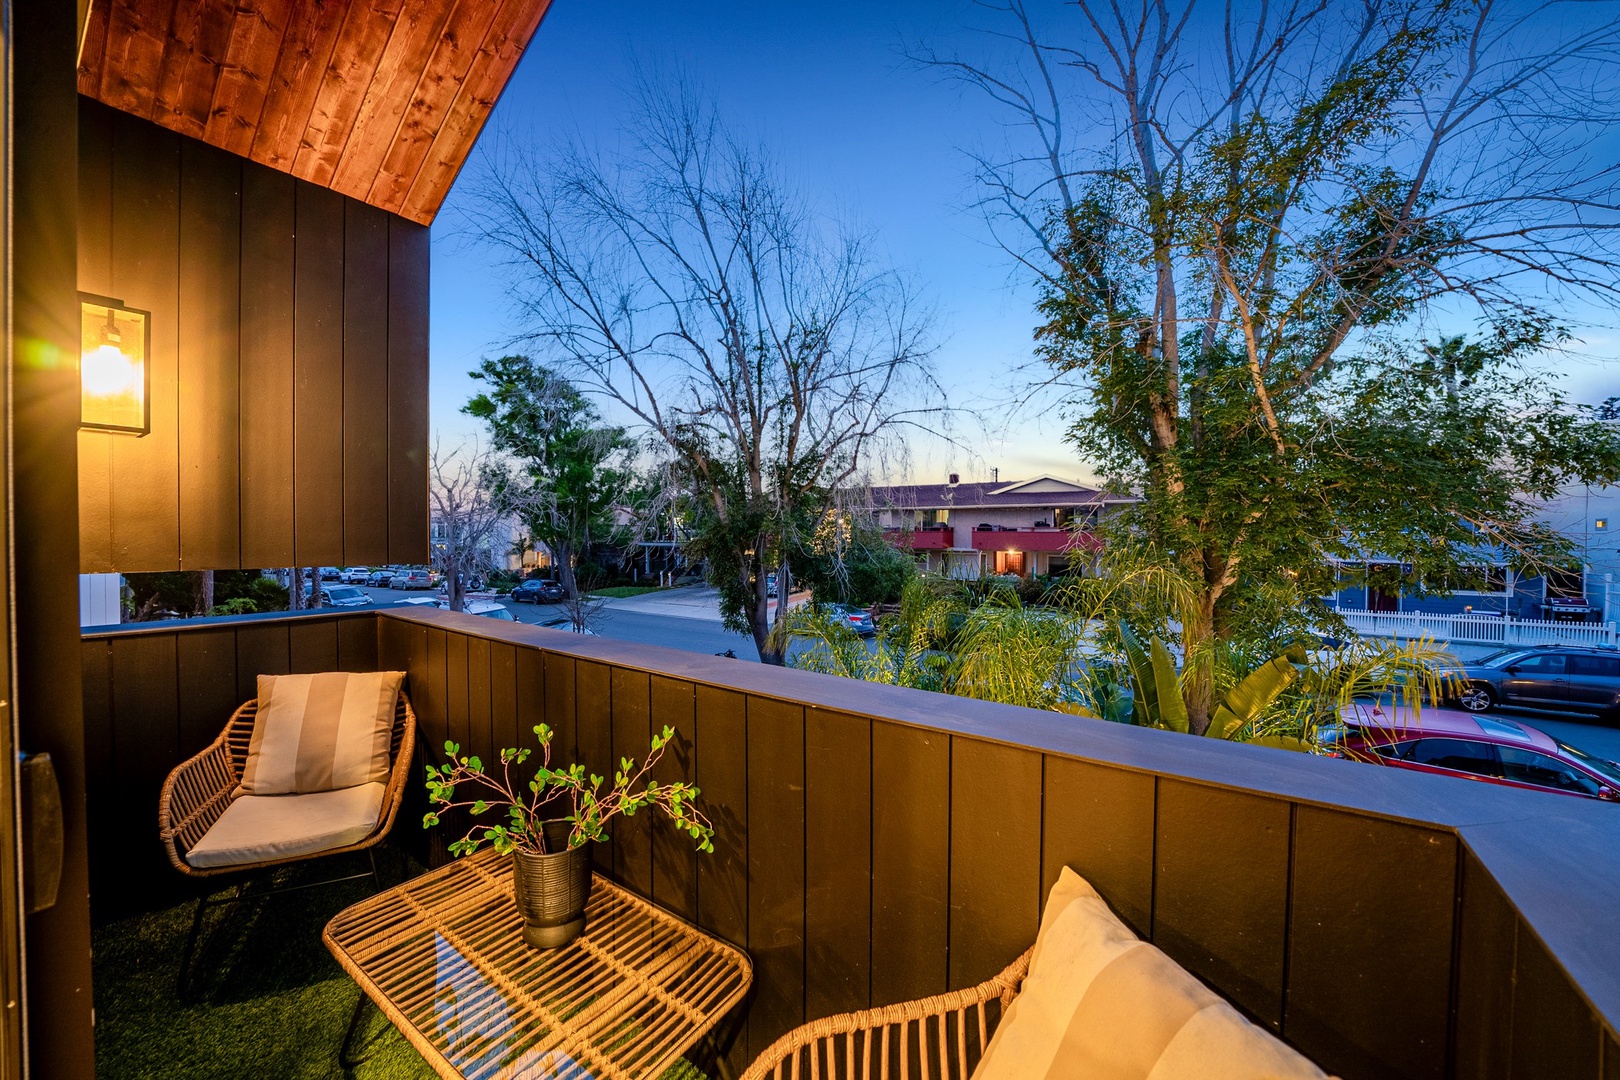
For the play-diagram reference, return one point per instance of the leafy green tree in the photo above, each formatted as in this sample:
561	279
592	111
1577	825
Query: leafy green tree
1242	263
848	561
569	468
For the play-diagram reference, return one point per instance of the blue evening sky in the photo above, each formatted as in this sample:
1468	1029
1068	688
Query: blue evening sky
825	86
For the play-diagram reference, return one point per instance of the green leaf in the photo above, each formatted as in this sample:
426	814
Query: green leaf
1249	699
1167	689
1282	742
1144	704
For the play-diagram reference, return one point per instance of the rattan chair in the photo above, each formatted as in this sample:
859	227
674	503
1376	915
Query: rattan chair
199	789
942	1036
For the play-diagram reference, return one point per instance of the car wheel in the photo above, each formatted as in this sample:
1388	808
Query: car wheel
1477	698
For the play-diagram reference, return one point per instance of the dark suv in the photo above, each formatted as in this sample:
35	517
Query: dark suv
1558	677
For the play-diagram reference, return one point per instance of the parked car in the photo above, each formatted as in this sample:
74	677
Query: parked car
344	596
413	579
355	575
489	609
857	619
770	585
1561	677
416	601
1490	749
380	579
330	573
538	592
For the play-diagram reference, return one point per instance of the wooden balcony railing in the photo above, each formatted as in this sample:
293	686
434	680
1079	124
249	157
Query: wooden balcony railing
876	844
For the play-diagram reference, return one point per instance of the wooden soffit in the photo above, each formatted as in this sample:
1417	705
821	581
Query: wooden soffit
378	99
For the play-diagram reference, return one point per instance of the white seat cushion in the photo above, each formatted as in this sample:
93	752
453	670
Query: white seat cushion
263	828
1100	1004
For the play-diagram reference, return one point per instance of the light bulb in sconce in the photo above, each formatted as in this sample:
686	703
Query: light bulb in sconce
114	366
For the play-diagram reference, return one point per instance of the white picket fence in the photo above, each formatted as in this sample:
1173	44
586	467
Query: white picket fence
1477	629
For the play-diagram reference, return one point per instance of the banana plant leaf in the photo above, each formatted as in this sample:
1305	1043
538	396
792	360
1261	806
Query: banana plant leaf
1282	742
1144	696
1172	711
1246	701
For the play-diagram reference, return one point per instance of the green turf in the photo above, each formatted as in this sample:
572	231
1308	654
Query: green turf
269	1001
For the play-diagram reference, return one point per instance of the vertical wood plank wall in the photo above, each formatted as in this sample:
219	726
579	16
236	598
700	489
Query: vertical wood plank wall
289	362
153	698
862	860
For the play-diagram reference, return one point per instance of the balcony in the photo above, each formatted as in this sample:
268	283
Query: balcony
927	538
1034	539
876	844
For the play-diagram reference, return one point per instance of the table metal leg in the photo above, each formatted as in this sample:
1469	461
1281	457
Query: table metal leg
346	1056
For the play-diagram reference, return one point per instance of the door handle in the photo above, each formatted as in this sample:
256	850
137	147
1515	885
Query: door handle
42	835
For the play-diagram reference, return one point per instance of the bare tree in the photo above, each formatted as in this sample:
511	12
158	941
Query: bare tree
462	488
1246	219
765	346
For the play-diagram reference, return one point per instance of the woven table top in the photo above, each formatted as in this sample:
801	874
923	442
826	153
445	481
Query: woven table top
443	957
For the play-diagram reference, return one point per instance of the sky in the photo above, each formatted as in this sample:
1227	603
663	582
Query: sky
870	137
825	85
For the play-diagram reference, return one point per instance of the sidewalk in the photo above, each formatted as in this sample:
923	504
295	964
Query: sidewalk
686	602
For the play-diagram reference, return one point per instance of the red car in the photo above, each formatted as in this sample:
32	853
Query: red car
1452	743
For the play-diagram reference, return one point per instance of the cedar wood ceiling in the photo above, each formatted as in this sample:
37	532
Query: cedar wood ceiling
378	99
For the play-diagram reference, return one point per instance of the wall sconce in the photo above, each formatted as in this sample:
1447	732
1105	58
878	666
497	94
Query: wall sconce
114	369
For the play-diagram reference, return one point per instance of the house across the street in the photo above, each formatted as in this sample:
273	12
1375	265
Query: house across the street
1024	527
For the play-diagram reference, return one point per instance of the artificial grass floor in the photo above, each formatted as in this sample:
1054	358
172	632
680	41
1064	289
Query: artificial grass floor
269	1001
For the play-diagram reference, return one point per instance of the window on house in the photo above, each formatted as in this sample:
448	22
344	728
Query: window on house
1566	585
1473	579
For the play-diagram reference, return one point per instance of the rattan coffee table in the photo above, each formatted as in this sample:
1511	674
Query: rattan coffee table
443	957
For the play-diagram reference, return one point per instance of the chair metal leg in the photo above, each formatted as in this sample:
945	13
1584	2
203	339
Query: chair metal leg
183	983
346	1056
189	952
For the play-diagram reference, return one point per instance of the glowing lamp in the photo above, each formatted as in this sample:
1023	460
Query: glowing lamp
114	375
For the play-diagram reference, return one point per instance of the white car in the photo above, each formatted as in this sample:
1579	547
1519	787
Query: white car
355	575
344	596
489	609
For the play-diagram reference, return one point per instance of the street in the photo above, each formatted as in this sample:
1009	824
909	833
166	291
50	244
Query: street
697	629
687	619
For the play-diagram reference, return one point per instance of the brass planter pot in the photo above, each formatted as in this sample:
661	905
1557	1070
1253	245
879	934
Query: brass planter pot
551	890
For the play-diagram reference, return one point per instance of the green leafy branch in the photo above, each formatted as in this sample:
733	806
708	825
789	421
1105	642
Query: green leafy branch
590	806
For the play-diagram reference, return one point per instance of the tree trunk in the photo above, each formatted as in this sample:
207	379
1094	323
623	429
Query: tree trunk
295	588
455	587
772	649
202	591
314	587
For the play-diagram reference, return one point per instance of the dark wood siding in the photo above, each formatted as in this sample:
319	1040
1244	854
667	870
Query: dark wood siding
289	382
157	695
874	844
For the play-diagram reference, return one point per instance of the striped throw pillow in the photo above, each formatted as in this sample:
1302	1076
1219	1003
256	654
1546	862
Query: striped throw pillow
321	732
1100	1004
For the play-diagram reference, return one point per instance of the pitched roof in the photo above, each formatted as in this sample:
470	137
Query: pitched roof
1042	492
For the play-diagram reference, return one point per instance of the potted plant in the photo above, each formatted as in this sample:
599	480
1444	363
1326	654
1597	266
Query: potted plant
550	852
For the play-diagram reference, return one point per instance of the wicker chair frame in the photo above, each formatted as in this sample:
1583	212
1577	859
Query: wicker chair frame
951	1033
199	789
